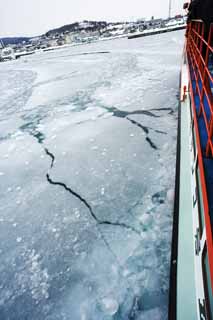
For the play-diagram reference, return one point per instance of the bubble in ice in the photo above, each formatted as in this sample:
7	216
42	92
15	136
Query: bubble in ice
94	148
75	239
2	173
160	160
146	219
102	191
19	239
165	146
109	306
126	272
77	213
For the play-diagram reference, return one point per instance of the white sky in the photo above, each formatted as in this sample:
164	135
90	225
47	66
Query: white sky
34	17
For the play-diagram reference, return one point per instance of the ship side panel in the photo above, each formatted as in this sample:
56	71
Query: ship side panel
186	296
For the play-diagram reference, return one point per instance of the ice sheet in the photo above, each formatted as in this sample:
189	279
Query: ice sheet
87	165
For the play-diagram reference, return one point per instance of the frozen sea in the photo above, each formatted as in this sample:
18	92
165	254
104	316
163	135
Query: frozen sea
87	170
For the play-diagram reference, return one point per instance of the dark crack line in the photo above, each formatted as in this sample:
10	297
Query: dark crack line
146	130
163	109
124	114
75	195
84	201
120	224
153	146
144	112
89	53
160	131
51	156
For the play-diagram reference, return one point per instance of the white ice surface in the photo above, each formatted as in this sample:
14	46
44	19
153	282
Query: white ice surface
57	262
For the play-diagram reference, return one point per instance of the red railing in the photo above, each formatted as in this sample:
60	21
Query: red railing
199	50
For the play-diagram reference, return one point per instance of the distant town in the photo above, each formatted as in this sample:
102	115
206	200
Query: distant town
82	32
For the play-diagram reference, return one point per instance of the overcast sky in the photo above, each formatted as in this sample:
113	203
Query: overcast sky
34	17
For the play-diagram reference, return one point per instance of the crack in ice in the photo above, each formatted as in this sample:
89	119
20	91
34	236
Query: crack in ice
146	130
51	156
125	115
84	201
37	135
163	109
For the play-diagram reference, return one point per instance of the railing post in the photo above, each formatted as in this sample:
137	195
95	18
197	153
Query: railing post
208	90
208	146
